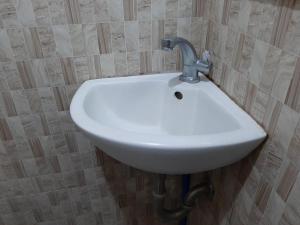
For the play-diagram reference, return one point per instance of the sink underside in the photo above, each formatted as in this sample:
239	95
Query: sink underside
159	124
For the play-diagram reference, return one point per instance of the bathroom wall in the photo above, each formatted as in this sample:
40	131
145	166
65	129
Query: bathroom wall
49	173
256	46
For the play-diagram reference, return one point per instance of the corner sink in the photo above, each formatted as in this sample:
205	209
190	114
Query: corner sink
159	124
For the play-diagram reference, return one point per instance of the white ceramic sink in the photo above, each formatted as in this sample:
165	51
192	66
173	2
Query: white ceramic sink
139	121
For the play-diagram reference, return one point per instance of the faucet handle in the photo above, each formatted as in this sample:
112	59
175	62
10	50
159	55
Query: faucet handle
206	57
205	61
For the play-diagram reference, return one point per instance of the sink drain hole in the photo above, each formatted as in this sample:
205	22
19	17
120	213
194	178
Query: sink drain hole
178	95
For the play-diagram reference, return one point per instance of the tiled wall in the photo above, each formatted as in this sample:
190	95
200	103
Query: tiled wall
256	45
50	174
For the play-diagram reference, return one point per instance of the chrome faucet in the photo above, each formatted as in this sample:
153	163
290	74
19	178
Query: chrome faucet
191	63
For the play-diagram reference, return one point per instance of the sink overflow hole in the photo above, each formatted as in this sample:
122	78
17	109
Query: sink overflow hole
178	95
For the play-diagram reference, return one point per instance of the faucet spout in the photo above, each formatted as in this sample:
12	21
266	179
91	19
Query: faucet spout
191	63
188	52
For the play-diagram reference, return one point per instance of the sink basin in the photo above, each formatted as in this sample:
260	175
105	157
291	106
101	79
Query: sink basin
159	124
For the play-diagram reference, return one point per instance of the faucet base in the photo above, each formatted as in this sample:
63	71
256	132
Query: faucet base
189	79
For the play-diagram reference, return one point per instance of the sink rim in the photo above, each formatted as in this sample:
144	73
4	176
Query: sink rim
249	130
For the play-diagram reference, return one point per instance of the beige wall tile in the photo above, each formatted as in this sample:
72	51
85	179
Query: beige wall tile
293	96
41	12
17	43
262	195
32	125
170	61
226	11
102	11
5	133
107	68
26	74
293	150
239	90
157	34
291	40
11	75
130	9
199	7
170	27
258	60
255	16
8	14
230	46
251	92
145	62
25	12
118	37
267	21
82	70
230	81
61	98
171	8
184	8
120	61
157	61
20	101
116	11
33	42
284	75
77	39
91	39
6	53
72	11
39	71
259	106
274	209
97	66
68	70
46	38
244	14
145	35
87	11
198	31
33	100
47	99
270	69
246	54
281	23
215	10
158	9
291	214
57	12
133	63
62	41
287	182
132	36
184	28
54	72
144	10
9	103
233	14
286	126
238	51
273	109
104	38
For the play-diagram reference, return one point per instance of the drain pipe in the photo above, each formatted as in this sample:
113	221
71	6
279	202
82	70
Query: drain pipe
180	213
186	179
